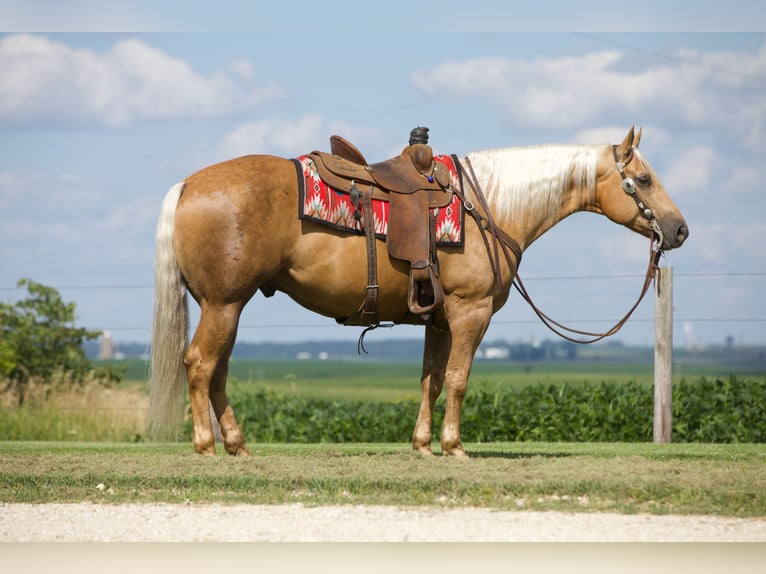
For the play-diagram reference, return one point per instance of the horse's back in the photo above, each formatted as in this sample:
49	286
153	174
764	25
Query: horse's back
249	172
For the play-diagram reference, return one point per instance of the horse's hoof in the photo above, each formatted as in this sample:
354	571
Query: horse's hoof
456	452
237	449
424	451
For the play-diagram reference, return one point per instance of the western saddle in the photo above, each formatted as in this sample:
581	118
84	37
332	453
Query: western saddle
413	184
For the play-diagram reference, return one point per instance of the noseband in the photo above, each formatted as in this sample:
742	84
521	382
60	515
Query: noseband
629	187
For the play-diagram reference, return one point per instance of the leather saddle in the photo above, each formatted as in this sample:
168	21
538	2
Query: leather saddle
413	184
412	171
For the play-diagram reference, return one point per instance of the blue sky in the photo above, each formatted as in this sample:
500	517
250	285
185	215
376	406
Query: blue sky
96	126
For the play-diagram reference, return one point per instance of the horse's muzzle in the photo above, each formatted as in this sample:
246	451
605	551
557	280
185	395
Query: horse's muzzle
674	235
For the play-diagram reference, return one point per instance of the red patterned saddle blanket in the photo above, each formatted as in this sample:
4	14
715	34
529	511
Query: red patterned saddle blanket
321	203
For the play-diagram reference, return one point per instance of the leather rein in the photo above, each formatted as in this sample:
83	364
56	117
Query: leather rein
496	240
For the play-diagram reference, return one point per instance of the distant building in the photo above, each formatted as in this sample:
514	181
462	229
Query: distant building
106	349
496	353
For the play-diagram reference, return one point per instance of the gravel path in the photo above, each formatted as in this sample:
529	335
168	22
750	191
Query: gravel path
298	523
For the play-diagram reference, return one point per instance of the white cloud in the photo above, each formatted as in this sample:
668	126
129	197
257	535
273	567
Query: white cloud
746	178
48	83
736	246
290	137
133	217
692	171
656	135
690	89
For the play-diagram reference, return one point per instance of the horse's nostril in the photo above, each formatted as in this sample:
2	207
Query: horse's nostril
682	234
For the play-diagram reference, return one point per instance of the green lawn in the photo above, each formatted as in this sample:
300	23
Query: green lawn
629	478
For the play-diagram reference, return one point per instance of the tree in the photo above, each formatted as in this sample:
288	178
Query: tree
38	338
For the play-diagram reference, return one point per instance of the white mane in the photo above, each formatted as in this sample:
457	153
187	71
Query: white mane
532	182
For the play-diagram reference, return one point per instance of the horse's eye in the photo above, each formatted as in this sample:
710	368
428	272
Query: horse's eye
644	180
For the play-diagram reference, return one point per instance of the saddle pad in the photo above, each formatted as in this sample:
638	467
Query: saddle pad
321	203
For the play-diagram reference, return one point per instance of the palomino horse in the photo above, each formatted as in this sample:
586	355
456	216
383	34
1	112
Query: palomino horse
231	229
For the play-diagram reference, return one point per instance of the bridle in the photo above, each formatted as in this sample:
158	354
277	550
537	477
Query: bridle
496	240
629	187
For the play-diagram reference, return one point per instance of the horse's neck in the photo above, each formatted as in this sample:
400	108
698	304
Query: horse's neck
531	189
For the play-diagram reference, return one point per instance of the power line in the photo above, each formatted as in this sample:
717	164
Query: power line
107	287
494	322
84	287
670	57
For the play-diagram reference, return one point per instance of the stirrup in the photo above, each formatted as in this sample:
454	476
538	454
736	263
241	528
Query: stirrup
425	293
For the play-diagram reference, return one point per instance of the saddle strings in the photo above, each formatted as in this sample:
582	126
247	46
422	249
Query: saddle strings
487	224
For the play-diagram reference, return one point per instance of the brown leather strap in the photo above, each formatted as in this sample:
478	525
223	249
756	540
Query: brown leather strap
652	271
367	314
370	307
494	238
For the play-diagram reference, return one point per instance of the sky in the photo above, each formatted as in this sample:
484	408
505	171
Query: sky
104	106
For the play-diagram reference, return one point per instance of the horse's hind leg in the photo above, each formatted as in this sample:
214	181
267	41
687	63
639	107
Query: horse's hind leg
207	365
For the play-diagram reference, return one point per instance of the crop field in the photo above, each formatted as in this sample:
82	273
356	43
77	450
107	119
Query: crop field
360	401
394	381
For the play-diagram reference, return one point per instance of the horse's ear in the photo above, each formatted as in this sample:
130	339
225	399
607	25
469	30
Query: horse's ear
638	137
624	148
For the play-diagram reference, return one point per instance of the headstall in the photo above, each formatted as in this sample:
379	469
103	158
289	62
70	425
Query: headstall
629	187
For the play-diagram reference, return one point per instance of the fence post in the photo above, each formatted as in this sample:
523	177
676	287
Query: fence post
663	356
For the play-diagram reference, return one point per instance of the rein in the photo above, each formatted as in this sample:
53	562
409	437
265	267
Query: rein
498	237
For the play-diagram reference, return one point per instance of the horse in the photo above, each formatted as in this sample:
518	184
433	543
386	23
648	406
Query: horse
231	230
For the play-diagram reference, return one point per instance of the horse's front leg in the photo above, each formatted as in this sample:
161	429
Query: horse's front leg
467	327
435	355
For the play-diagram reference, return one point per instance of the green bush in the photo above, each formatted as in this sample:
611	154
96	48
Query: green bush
265	416
39	343
726	411
584	412
732	410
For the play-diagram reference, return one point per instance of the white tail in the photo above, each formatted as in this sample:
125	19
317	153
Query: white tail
169	330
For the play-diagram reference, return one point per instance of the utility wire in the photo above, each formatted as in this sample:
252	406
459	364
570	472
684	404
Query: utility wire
106	287
670	57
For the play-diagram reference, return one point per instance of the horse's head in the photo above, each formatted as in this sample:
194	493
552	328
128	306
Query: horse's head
629	192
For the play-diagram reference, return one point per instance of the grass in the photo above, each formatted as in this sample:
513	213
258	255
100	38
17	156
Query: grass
76	446
88	413
629	478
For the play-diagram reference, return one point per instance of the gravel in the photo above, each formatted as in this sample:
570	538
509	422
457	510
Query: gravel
88	522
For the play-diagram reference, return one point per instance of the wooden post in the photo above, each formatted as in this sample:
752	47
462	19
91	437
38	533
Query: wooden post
663	356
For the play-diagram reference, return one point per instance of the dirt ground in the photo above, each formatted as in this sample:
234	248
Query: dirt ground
298	523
